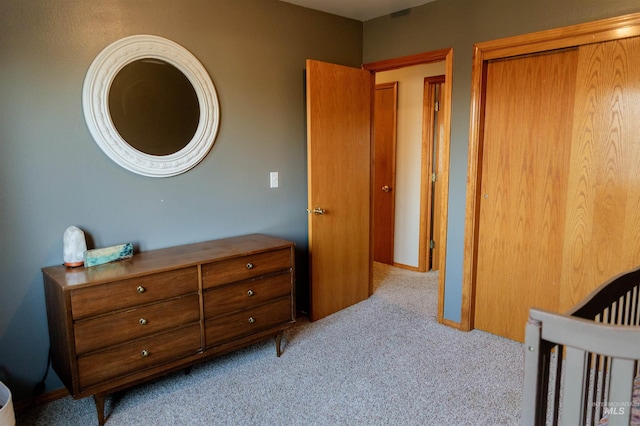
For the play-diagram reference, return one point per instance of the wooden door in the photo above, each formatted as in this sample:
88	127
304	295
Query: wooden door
524	179
432	133
339	109
384	170
560	187
602	232
436	214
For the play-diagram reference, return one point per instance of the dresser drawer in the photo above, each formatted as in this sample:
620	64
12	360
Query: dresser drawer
138	355
239	324
245	267
104	331
117	295
244	294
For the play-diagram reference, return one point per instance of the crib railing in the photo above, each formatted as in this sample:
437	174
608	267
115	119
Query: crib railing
614	302
580	367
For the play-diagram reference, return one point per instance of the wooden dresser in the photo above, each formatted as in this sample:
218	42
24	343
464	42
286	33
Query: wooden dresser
115	325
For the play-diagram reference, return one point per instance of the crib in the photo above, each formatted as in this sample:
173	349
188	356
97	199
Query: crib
581	368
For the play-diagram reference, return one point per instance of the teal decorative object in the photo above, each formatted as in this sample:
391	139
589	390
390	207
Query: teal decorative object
107	254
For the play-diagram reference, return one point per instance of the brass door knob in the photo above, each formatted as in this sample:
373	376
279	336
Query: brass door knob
317	211
386	188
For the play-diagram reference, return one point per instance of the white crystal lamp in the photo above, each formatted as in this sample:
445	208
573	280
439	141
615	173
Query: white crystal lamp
74	247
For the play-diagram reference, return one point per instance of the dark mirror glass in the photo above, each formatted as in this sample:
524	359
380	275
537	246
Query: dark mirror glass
154	107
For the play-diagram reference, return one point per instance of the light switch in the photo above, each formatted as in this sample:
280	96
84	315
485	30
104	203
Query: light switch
273	179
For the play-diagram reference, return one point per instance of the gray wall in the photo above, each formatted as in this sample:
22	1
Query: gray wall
53	175
459	24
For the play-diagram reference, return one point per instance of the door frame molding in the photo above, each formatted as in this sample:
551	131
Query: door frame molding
561	38
446	56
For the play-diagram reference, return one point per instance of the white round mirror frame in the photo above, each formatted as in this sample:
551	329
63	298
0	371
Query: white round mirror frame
95	103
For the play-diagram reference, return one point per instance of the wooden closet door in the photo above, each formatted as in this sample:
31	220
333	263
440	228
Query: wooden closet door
560	190
525	163
602	230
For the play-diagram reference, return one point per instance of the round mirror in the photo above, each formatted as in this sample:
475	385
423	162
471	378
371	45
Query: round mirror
151	106
154	107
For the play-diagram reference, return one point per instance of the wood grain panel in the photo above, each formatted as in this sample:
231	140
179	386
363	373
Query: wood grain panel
60	332
224	300
339	110
588	195
117	295
603	221
246	267
239	324
384	174
523	189
129	358
108	330
165	259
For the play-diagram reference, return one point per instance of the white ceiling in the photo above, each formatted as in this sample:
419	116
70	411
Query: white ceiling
362	10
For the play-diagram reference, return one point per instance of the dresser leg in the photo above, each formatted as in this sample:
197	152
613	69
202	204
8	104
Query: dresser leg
99	399
278	341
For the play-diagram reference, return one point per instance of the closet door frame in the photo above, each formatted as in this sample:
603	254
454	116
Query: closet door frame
593	32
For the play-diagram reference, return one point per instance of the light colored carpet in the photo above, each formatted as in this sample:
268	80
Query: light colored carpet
384	361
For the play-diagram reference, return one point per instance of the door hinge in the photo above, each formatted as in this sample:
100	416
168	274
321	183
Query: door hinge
433	177
432	244
436	106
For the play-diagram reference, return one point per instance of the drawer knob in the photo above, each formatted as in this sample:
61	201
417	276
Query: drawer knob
249	265
140	289
144	353
251	320
250	293
142	321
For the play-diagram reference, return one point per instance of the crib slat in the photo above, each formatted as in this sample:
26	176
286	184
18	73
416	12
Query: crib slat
601	372
636	306
573	410
620	389
533	407
557	390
